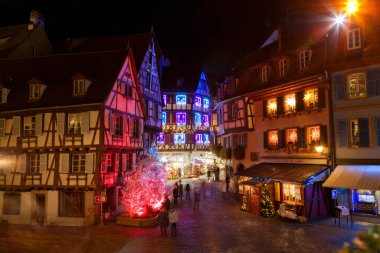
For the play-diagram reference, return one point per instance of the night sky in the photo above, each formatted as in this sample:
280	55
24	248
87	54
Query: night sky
216	32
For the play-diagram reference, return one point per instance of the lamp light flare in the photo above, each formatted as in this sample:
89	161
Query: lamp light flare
319	149
352	6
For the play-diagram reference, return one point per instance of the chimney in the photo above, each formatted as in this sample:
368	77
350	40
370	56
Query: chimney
35	19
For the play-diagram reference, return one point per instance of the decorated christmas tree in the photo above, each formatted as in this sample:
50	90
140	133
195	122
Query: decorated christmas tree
144	188
266	205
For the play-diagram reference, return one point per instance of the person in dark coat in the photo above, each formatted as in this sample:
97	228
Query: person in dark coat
167	203
227	183
187	188
180	190
175	194
163	221
197	198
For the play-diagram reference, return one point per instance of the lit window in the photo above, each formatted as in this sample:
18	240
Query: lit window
353	39
359	136
304	58
164	97
272	107
198	139
198	101
163	118
313	135
273	139
283	65
356	85
30	126
181	118
34	92
197	118
160	138
206	103
74	123
291	136
290	103
206	120
179	138
291	193
78	164
265	71
311	98
206	139
78	87
180	99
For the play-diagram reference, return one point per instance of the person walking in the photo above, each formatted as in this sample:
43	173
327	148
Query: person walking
167	203
180	189
173	218
187	188
163	221
227	183
175	194
203	190
197	198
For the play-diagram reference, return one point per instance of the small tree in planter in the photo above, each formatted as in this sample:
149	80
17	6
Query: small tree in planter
266	205
239	152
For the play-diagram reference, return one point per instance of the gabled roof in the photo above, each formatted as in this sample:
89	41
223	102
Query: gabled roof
188	74
11	37
56	72
138	42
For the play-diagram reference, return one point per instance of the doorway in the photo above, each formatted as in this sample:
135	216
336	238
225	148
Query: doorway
40	208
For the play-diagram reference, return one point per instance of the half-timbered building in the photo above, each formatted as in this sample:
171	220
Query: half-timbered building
283	86
147	57
70	127
185	138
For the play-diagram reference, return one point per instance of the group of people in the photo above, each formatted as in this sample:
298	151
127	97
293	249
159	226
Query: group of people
168	214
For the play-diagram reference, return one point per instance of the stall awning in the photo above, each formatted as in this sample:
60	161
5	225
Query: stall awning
366	177
292	172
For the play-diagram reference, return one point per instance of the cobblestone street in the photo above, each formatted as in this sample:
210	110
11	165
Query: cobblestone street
218	226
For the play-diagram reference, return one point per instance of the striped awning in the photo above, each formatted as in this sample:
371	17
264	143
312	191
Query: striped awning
366	177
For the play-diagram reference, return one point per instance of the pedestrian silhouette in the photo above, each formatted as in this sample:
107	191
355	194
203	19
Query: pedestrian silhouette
203	190
227	183
187	188
173	218
180	190
175	193
163	221
197	198
167	203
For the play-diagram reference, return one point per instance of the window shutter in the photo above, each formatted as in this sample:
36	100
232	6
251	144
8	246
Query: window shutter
64	163
299	101
377	78
324	141
89	163
4	95
265	108
363	132
21	163
265	140
301	138
245	138
17	126
85	122
39	124
43	163
321	97
340	87
125	125
280	135
60	123
371	82
2	128
280	105
342	131
112	123
378	131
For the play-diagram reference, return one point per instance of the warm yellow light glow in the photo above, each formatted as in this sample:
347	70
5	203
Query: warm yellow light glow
352	6
339	19
307	97
272	106
319	149
291	101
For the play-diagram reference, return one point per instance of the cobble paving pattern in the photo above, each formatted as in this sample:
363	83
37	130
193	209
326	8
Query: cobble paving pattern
217	227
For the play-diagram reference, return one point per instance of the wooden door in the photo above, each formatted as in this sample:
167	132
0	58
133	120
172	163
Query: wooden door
40	208
254	199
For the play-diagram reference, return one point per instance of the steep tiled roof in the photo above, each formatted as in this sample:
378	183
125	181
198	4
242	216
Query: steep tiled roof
56	72
138	42
11	37
189	76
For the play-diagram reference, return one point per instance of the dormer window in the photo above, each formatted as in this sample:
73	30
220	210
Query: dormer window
206	103
79	87
3	95
34	91
304	59
353	39
198	101
180	99
283	66
265	72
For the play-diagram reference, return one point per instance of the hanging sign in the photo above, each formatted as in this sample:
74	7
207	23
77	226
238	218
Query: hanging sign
100	199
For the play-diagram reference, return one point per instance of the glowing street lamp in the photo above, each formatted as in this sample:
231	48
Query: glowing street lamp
319	149
352	6
339	19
